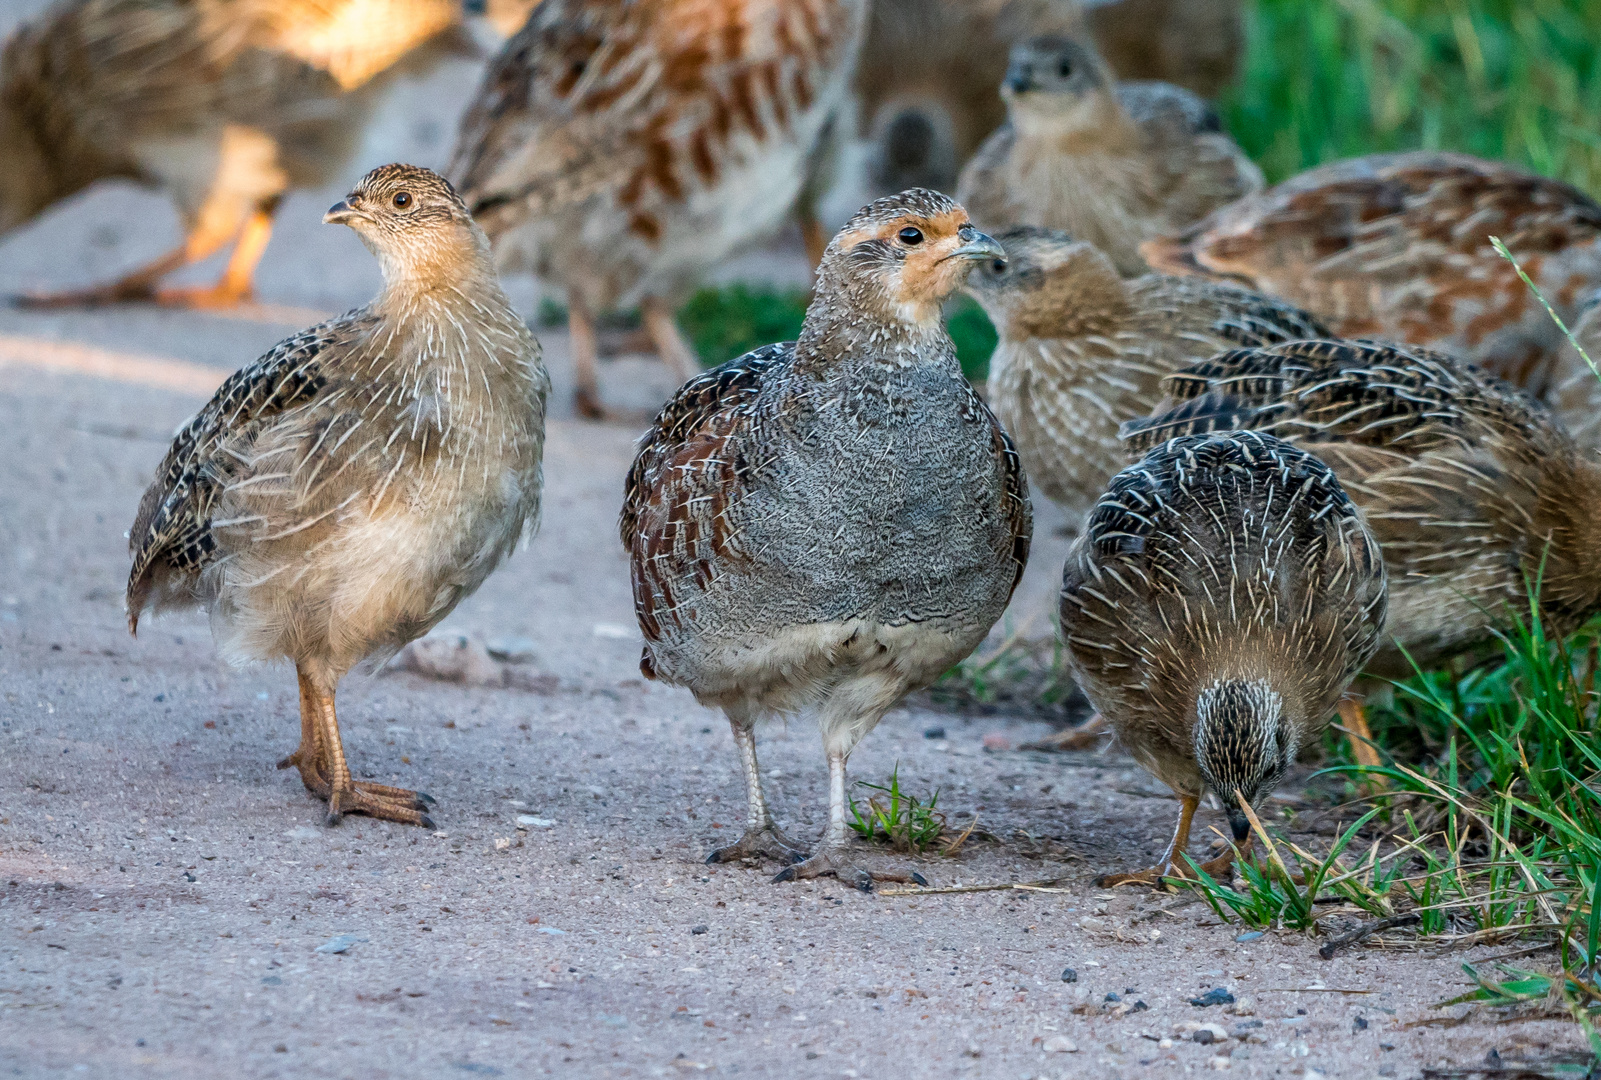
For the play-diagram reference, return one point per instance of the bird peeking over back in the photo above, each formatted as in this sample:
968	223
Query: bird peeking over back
1083	349
1112	163
621	150
1221	597
1397	246
223	105
339	496
827	524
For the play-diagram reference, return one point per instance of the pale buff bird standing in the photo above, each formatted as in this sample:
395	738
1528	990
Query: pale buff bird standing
224	105
824	525
339	496
1397	246
1083	349
621	150
1219	601
1112	163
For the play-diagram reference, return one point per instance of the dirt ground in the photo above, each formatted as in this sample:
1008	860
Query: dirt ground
171	907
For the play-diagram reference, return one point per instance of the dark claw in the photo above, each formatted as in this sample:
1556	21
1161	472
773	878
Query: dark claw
919	879
796	857
427	822
286	762
334	818
426	799
786	874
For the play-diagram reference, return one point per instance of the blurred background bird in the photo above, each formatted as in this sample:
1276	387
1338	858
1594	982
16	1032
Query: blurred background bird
1219	601
930	95
1083	349
339	496
828	524
224	105
1112	163
1397	246
620	151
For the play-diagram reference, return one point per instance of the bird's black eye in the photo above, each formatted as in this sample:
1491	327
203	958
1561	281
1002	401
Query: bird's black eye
910	237
998	266
402	199
1066	70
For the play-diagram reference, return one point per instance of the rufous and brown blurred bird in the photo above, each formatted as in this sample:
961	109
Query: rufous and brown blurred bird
1083	349
1397	246
620	151
1474	491
224	105
827	524
1215	608
339	496
1112	163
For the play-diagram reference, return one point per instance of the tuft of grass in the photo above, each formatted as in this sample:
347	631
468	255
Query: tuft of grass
898	817
1489	826
1516	80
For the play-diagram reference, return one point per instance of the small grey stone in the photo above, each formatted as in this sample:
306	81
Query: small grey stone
934	733
698	930
339	944
1215	996
1069	975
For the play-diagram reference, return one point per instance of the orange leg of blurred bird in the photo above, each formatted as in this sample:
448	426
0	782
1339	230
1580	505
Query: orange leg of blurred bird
1082	737
237	283
320	757
1354	718
581	335
670	343
1172	864
141	285
814	236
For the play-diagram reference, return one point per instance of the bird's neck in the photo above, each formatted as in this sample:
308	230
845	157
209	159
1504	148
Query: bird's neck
453	315
849	328
1099	123
1085	297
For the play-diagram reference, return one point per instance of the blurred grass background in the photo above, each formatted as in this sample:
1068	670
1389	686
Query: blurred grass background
1517	80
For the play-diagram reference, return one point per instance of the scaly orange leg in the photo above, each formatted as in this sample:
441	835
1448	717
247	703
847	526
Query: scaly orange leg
1082	737
323	769
1354	719
1172	864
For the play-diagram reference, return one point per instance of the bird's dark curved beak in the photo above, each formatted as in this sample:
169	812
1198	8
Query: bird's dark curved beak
1020	78
1239	824
977	246
340	213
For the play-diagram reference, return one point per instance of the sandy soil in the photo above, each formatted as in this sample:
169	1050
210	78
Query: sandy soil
169	903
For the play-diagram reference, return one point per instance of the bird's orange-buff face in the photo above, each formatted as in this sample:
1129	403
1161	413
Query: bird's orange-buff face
924	257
